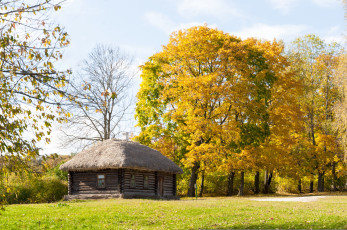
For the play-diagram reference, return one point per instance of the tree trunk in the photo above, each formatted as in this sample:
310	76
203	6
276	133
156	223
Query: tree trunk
320	182
193	179
311	186
334	189
231	183
256	183
242	183
267	181
202	184
299	186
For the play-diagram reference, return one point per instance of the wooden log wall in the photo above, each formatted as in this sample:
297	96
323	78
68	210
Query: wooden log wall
119	182
174	184
168	184
139	183
86	182
70	183
156	183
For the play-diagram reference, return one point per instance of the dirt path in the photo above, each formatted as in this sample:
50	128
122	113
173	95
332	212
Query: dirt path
291	199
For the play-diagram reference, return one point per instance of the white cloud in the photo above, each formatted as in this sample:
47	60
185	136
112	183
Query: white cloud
137	51
160	21
334	29
283	5
333	35
216	8
327	3
165	24
334	38
269	32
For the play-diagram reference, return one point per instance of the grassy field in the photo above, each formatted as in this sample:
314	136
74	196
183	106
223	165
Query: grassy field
210	213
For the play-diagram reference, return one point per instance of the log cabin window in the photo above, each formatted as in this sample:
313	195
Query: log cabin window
132	181
101	181
145	182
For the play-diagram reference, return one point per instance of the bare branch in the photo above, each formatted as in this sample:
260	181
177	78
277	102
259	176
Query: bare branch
101	89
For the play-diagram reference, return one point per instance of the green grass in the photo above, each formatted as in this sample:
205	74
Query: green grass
211	213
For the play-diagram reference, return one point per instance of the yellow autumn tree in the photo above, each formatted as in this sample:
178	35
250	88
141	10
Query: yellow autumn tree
314	63
31	87
284	116
209	93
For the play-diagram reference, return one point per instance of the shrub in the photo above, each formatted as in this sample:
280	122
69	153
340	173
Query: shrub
290	185
54	189
34	189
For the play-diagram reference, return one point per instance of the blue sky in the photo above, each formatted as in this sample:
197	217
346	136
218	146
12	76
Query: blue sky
141	27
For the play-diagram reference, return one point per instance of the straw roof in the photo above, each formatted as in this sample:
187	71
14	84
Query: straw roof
115	153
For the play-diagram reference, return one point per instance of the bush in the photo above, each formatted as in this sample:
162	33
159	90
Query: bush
287	185
215	184
32	189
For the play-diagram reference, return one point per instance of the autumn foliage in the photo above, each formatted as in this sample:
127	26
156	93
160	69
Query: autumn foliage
31	88
215	103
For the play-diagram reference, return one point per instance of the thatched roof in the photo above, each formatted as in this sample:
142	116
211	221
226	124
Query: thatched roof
115	153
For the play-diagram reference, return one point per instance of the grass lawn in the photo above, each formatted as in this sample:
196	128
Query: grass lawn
209	213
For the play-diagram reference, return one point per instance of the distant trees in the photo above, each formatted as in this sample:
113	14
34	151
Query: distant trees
314	63
102	92
340	108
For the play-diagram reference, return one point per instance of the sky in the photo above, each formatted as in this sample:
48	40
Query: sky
141	27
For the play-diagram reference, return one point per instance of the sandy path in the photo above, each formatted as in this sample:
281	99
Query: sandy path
291	199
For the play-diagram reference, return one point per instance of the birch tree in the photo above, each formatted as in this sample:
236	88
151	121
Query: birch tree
102	92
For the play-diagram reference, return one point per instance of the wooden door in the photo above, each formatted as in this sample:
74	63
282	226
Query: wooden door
161	185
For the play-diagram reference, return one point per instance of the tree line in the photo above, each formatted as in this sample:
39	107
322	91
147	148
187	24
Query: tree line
213	102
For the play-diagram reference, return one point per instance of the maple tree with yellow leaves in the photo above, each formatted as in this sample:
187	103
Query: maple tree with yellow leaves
214	96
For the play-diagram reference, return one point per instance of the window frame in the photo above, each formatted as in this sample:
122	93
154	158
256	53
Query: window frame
98	179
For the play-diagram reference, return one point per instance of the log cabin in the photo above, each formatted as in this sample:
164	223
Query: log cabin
121	169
